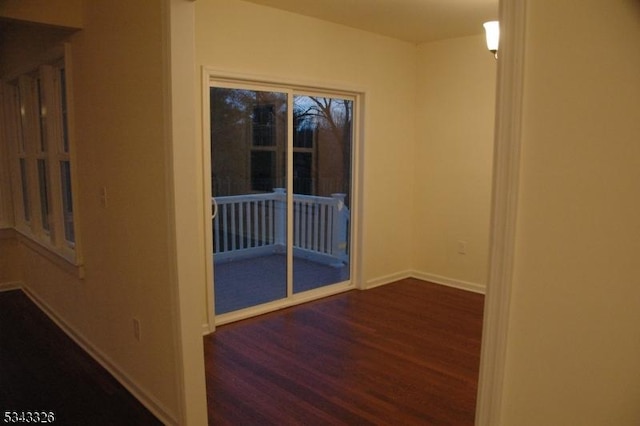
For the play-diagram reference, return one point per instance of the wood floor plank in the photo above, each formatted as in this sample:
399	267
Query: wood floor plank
42	369
404	353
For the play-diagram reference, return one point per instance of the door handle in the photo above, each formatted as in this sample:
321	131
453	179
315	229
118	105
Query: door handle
215	208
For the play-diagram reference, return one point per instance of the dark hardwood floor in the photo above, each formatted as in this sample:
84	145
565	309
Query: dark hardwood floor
405	353
43	370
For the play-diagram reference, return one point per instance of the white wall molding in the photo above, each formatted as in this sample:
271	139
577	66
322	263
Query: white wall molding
387	279
449	282
11	285
187	247
504	210
425	276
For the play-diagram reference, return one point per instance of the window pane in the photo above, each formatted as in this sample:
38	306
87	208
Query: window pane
63	108
302	173
26	205
322	191
324	128
304	128
42	116
19	120
248	134
67	201
263	170
44	193
263	125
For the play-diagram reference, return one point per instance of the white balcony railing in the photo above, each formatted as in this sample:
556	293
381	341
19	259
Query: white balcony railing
255	224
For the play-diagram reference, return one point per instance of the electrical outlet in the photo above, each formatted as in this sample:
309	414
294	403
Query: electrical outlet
136	329
462	247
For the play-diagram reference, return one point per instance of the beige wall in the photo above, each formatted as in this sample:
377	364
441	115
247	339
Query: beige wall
24	47
453	160
242	37
10	258
573	349
119	83
64	13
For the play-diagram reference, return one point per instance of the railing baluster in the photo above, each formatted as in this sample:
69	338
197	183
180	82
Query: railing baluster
316	227
309	225
247	221
301	226
256	231
271	219
310	219
263	218
296	223
225	228
233	227
329	227
241	233
305	218
247	225
323	227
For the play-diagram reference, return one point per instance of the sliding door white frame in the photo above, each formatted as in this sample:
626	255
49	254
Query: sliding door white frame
216	78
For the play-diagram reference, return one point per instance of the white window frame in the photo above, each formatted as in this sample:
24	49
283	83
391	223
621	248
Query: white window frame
35	135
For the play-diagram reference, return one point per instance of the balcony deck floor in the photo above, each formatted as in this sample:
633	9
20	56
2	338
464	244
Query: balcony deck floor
249	282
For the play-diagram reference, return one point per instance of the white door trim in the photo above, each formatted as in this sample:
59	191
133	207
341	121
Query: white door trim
504	210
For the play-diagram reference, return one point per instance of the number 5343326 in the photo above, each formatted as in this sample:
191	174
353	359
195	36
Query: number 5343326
29	417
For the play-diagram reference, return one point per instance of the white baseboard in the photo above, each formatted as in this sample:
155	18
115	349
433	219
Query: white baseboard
387	279
436	279
137	391
206	330
450	282
11	285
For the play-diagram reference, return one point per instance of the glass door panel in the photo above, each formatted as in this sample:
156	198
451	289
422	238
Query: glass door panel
322	140
248	177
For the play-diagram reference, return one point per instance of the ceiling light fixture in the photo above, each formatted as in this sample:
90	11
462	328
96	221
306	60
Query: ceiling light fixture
492	30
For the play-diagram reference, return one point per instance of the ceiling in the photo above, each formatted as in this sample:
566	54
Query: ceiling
415	21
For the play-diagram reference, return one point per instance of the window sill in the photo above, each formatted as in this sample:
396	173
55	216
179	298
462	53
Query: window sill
48	253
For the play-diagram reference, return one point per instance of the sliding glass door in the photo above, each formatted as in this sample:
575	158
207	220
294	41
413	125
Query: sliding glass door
281	194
